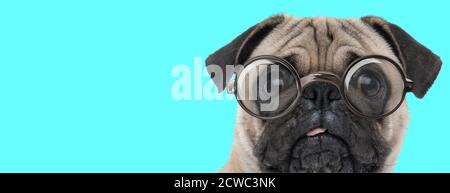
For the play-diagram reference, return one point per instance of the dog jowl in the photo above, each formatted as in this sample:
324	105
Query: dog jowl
340	102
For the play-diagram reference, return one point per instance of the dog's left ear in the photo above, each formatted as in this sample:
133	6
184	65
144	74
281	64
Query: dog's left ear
421	64
238	50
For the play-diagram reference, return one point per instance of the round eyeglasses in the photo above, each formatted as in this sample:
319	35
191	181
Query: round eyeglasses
269	87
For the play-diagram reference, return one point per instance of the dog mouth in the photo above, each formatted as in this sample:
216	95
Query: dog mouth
321	143
320	152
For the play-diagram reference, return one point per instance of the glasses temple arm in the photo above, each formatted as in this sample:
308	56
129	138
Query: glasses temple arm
409	85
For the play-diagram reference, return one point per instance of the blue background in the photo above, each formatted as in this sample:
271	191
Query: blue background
85	85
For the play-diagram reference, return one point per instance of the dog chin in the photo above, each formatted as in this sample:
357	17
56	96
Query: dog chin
315	143
322	153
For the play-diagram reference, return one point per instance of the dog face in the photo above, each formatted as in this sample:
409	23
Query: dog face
321	134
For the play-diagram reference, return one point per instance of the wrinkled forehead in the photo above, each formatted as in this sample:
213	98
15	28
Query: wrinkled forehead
322	43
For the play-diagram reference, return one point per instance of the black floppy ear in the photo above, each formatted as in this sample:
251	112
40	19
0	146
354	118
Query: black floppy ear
238	50
421	64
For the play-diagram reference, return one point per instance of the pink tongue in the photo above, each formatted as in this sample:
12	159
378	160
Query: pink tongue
315	131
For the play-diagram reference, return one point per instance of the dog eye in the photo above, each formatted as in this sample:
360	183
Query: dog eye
273	84
266	87
373	87
277	82
284	79
370	84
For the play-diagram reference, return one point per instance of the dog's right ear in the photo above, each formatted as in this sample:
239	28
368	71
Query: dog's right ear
238	50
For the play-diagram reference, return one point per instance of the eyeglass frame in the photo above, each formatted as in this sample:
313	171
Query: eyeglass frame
321	76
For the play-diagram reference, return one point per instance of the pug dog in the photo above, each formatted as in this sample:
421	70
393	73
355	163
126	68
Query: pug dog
333	123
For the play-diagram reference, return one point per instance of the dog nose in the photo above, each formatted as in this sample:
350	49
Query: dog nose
321	93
